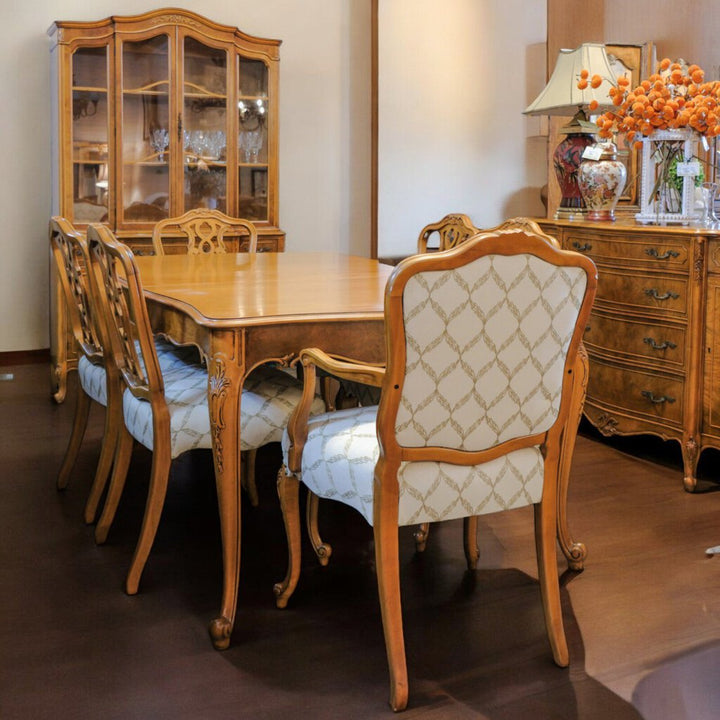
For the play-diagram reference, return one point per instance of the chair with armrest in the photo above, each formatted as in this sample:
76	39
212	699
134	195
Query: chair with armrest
204	231
167	411
482	351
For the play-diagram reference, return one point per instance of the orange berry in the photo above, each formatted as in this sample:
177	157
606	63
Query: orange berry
665	63
584	74
596	81
593	105
582	84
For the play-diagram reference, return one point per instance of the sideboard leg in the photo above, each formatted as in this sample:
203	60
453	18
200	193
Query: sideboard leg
690	453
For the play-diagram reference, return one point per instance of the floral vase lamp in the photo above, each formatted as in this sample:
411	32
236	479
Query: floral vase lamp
562	96
666	115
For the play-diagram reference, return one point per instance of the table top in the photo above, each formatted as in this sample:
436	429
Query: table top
260	288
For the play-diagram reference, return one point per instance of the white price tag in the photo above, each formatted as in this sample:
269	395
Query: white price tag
592	152
688	169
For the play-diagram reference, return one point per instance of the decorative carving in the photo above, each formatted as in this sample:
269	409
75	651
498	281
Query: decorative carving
699	260
607	424
218	384
220	630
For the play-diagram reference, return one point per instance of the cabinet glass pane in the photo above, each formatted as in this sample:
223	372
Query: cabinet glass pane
145	130
204	124
253	108
90	134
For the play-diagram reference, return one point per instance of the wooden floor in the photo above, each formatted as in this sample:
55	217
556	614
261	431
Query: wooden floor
641	620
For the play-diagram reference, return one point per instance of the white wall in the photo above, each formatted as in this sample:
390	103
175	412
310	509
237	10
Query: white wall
454	78
324	132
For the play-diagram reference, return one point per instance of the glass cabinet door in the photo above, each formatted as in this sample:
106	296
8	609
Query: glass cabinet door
204	125
146	137
89	128
253	109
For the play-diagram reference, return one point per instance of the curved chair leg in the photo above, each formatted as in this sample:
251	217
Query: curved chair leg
248	476
421	536
82	412
322	550
104	466
388	575
472	552
575	552
545	522
153	510
288	492
123	451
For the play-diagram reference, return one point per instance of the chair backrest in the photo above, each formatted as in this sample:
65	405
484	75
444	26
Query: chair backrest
452	230
118	291
481	342
525	224
204	231
69	249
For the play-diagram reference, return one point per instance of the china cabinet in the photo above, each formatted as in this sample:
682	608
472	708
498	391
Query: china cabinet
157	114
654	336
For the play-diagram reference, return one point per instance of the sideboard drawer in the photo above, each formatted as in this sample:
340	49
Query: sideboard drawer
641	392
655	252
631	339
638	290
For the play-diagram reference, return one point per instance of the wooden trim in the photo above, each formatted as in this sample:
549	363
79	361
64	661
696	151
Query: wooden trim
374	51
24	357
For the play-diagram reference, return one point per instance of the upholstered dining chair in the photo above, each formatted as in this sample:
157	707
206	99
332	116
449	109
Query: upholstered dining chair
98	376
203	231
482	347
452	230
167	412
97	379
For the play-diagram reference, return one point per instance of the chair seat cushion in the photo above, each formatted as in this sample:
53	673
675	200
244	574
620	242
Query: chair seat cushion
268	398
341	451
93	380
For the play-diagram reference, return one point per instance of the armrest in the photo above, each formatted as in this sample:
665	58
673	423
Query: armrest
341	367
345	368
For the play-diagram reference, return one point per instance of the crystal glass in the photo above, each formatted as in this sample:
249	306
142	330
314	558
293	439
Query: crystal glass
159	141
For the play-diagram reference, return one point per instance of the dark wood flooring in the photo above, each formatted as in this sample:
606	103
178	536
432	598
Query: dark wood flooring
643	620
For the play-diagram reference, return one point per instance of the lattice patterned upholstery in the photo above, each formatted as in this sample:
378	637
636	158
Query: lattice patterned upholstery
480	372
93	380
268	398
342	449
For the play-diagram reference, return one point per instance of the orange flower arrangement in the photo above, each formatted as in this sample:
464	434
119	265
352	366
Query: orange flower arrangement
668	100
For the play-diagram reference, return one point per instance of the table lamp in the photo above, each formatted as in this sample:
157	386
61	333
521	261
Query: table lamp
562	96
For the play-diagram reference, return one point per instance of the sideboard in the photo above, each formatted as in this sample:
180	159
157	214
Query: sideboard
654	334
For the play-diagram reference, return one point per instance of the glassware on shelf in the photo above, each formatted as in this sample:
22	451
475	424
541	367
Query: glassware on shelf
159	141
709	217
250	141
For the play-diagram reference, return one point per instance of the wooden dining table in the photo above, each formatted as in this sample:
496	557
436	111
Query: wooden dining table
244	309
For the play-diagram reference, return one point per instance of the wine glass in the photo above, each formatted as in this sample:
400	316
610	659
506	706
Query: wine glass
159	141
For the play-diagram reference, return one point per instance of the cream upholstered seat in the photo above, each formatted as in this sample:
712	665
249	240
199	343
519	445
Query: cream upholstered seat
203	231
167	410
482	346
98	378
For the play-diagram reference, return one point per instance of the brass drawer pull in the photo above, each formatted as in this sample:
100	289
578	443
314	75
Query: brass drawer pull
581	248
652	252
656	400
652	292
659	346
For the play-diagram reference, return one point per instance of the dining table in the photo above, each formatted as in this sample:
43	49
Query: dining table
245	309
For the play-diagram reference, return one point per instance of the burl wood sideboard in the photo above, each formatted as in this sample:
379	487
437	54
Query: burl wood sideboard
654	335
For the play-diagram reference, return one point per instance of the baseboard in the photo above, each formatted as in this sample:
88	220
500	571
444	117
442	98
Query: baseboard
24	357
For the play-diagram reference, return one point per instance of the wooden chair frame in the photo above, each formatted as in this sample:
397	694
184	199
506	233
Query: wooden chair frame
205	231
70	251
556	443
